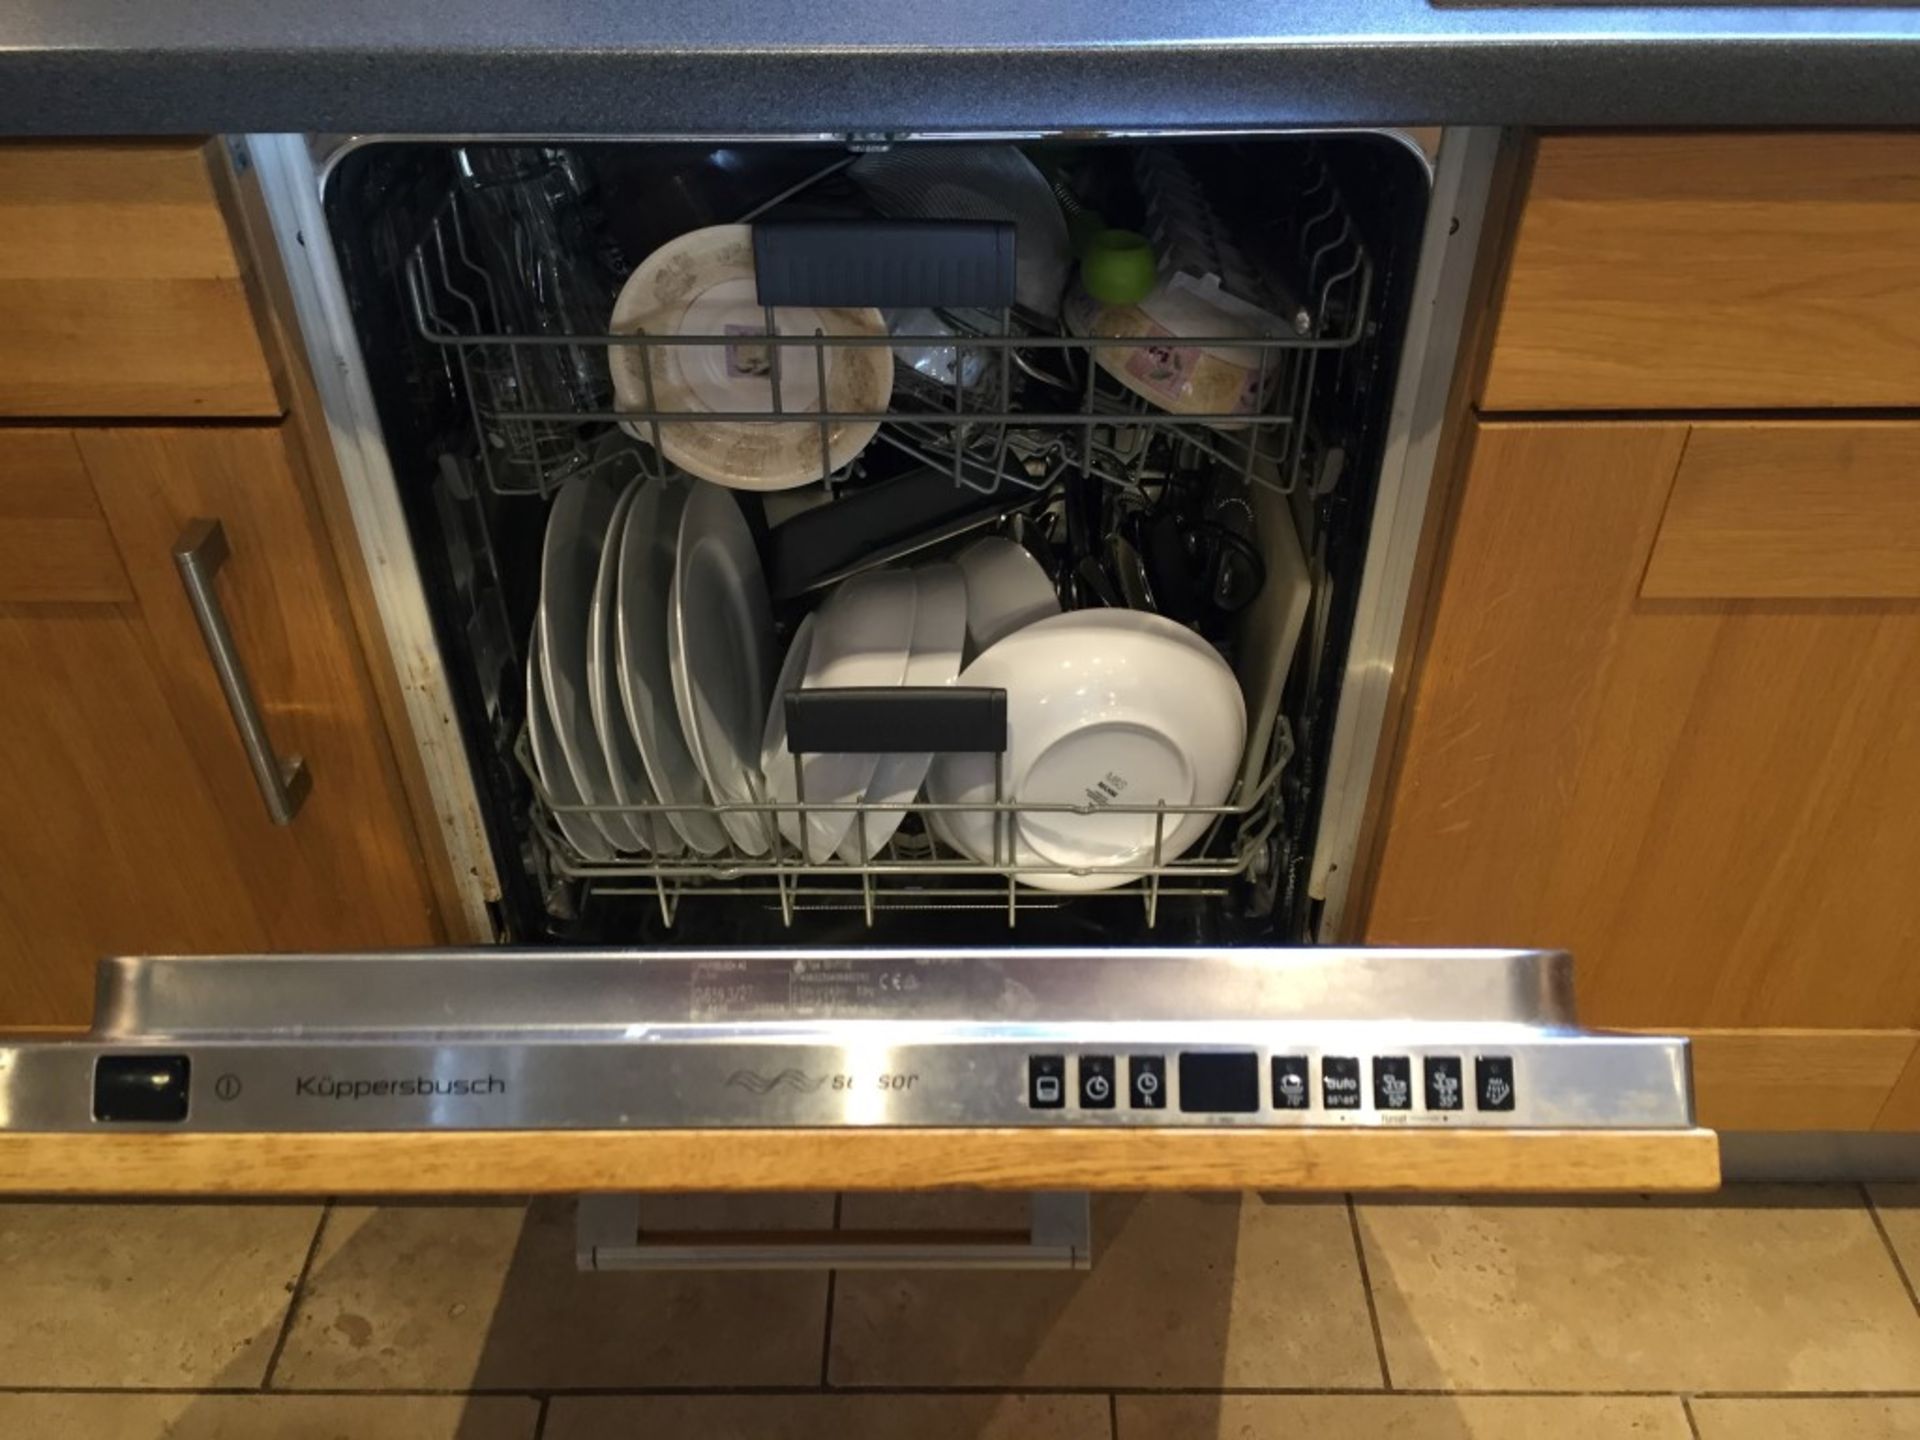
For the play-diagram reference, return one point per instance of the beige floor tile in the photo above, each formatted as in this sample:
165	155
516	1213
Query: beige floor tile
146	1295
254	1417
1809	1419
1774	1289
1397	1417
1185	1290
831	1417
1899	1207
487	1296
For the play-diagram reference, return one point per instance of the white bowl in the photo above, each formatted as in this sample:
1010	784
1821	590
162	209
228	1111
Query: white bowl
862	637
1104	708
702	283
939	626
1006	589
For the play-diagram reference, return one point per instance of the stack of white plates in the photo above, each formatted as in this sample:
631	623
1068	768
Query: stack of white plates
877	629
649	668
651	682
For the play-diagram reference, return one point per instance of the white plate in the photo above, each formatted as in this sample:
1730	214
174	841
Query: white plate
702	283
642	613
720	651
863	639
569	568
551	765
626	768
1100	703
1006	589
776	761
939	630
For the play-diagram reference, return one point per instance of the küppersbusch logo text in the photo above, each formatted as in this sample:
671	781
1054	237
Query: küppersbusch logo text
328	1087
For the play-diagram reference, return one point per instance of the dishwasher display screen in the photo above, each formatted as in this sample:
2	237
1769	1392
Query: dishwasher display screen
1219	1084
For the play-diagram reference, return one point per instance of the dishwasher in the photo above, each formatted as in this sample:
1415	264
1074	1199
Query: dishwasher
1173	392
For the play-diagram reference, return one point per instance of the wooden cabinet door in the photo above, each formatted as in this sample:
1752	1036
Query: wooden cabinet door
133	823
1649	728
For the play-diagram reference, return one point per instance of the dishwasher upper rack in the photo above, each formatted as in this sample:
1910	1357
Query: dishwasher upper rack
916	869
534	434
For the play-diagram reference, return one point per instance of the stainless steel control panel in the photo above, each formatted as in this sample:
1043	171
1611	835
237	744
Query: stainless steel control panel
523	1040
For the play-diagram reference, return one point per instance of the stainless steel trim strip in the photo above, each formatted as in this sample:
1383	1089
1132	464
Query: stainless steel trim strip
291	191
594	993
1457	214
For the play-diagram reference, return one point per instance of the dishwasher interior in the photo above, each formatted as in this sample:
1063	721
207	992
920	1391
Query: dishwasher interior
483	280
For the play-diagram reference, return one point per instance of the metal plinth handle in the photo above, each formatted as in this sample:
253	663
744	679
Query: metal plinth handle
1059	1237
199	553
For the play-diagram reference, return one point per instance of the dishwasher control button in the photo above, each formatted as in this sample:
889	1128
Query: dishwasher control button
1392	1082
1443	1083
1291	1088
1340	1082
1493	1081
1096	1082
1147	1077
141	1088
1047	1082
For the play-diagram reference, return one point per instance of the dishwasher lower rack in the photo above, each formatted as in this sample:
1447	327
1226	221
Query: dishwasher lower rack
917	869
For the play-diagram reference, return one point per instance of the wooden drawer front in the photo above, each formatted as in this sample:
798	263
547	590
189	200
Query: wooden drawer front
54	542
120	292
1796	1079
1701	272
1792	512
1709	802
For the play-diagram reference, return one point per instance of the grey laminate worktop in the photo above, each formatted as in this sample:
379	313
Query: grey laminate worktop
751	66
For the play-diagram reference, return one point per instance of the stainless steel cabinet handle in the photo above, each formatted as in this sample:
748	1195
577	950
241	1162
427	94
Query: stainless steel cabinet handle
200	552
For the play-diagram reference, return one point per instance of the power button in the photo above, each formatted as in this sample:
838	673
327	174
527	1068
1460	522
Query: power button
143	1089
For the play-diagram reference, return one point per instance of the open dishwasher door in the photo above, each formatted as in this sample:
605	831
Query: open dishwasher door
1025	1069
754	1015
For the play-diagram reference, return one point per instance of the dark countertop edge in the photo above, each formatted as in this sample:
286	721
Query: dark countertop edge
1598	81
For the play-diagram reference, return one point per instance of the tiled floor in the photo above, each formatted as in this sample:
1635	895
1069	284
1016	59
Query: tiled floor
1763	1314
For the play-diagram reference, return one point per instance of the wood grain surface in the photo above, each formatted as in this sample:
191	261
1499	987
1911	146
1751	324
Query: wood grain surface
120	294
1710	803
1816	510
1797	1079
133	824
54	542
1713	271
1902	1108
567	1161
347	874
